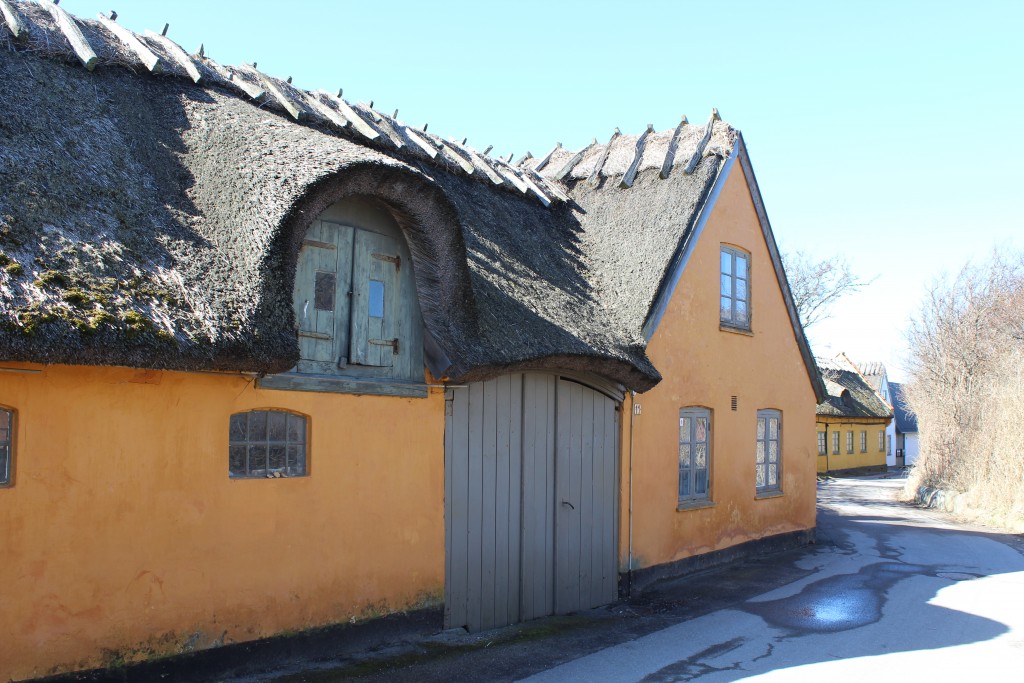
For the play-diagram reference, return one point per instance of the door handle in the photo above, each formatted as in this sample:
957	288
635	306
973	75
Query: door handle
565	502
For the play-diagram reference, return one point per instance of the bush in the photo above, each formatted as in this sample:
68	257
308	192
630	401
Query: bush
967	386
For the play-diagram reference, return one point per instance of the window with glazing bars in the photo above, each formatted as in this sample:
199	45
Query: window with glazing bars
735	288
849	441
835	443
863	441
694	454
822	444
881	442
6	445
267	443
768	459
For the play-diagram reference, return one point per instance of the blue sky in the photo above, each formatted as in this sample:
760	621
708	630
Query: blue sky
886	131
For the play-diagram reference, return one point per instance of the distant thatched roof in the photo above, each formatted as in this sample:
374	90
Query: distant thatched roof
849	394
152	216
873	373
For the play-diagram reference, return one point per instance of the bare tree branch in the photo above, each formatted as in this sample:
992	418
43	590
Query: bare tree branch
817	285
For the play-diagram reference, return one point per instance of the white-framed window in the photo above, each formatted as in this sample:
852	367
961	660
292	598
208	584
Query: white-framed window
881	442
768	457
734	289
835	442
694	454
863	441
267	444
849	441
822	444
6	445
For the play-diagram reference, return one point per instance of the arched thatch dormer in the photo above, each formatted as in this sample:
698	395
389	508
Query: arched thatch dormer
379	283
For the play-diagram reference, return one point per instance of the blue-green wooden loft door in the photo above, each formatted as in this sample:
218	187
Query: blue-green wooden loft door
322	281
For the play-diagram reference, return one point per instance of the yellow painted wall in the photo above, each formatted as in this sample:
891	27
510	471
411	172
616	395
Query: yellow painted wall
124	523
704	366
844	460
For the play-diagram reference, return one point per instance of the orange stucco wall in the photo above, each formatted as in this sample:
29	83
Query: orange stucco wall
122	522
844	460
705	366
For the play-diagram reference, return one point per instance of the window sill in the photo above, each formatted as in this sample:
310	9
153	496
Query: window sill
694	505
763	495
343	385
745	331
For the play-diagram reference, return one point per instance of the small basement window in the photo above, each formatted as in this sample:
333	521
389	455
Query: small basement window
6	445
267	443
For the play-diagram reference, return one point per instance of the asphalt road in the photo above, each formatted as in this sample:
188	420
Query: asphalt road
892	593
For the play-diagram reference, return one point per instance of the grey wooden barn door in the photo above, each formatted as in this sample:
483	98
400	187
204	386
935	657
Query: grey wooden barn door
585	464
530	500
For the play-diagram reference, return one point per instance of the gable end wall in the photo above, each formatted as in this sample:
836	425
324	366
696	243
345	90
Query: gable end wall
705	366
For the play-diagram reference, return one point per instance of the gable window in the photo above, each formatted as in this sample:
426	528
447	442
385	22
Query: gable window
835	442
863	441
6	445
267	443
694	454
734	288
822	444
881	441
768	458
849	441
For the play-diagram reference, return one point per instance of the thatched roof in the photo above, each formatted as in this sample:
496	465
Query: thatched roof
873	373
152	216
849	394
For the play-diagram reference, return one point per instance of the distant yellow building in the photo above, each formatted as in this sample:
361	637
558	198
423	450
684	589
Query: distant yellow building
851	421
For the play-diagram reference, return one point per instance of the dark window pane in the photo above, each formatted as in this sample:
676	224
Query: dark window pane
323	293
258	460
258	425
277	458
684	482
376	300
236	461
700	483
238	429
276	425
296	460
296	429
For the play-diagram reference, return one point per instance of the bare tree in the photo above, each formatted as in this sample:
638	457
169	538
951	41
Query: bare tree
817	285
